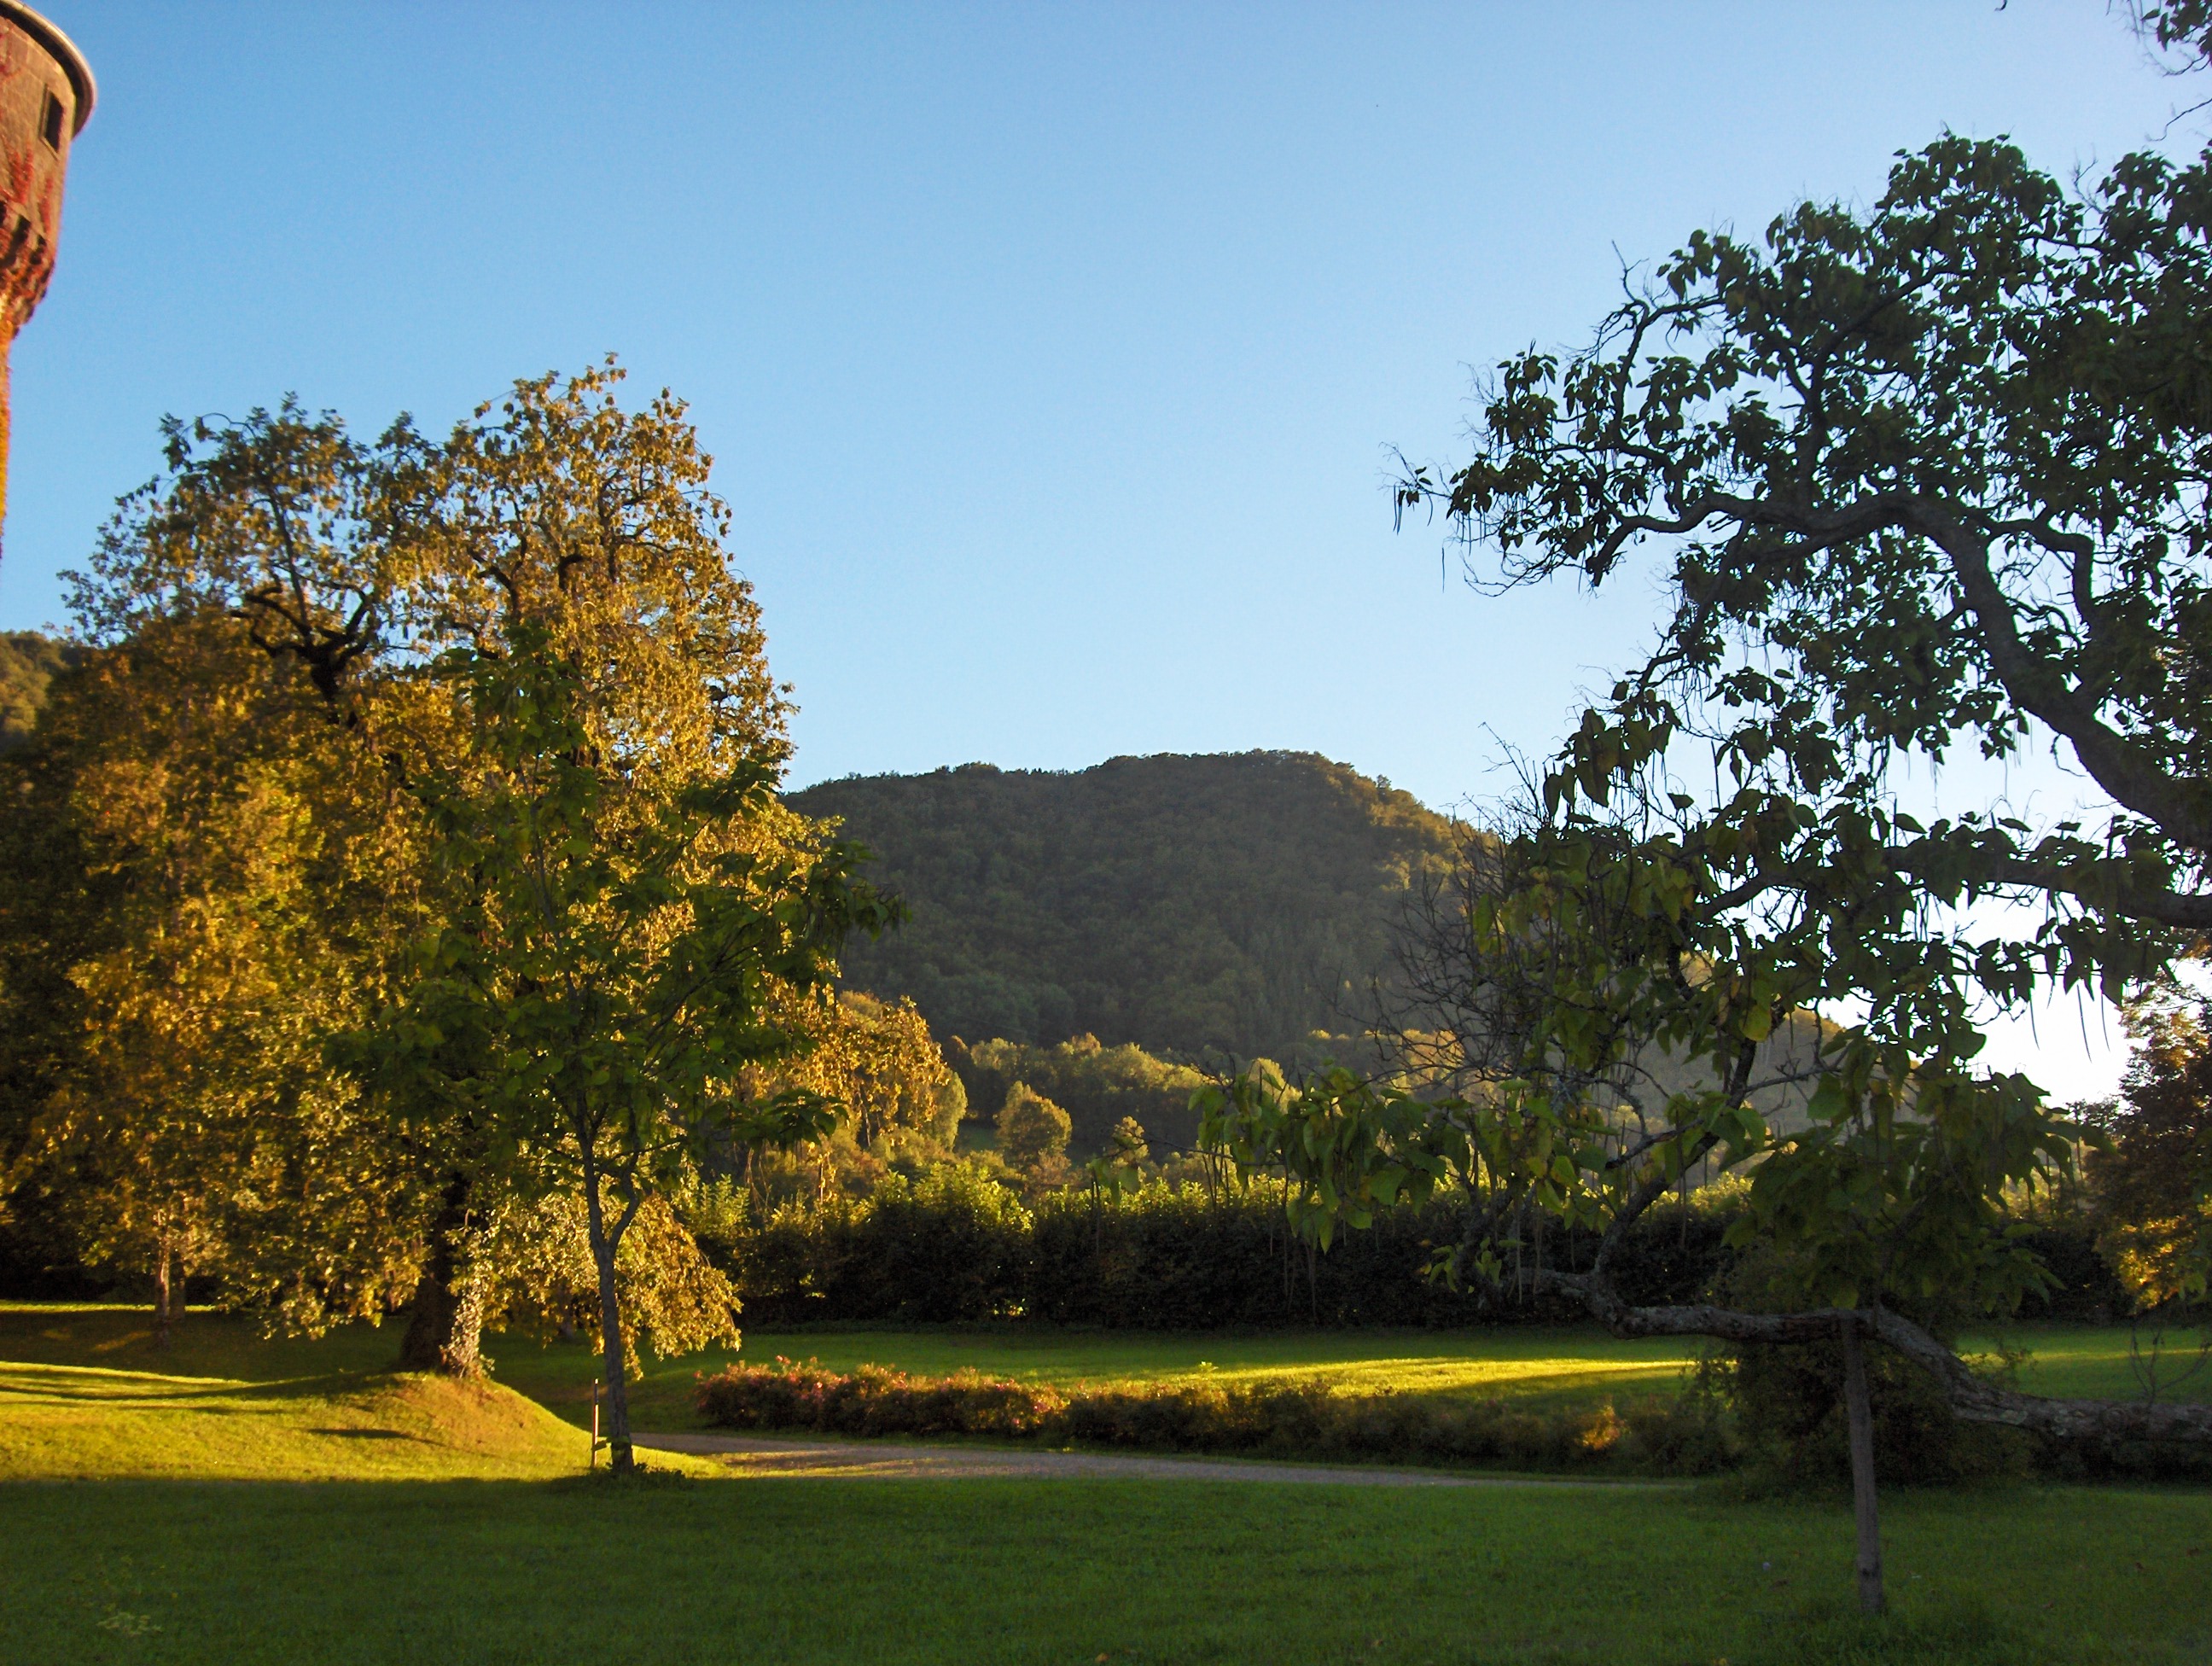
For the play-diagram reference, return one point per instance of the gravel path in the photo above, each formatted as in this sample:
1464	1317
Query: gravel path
767	1455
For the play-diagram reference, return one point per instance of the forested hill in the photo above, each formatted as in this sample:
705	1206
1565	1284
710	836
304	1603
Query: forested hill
28	662
1235	903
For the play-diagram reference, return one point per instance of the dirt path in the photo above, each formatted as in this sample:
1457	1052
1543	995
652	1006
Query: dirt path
767	1455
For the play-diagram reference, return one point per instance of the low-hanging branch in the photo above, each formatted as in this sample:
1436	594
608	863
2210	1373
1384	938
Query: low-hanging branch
1970	1396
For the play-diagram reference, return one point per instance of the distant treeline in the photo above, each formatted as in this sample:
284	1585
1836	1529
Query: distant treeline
1234	904
1096	1085
949	1246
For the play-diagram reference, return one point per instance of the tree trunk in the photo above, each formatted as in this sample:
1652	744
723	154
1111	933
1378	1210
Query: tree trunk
1858	1407
620	1459
162	1260
444	1320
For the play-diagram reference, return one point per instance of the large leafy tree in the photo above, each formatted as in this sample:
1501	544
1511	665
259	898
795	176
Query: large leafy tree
271	536
179	854
358	572
597	1005
621	907
899	1100
1926	477
556	517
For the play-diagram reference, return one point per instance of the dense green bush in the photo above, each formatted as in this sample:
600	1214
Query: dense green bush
955	1246
948	1246
1177	1258
1276	1419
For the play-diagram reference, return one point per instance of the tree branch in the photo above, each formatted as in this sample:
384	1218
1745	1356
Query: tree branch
1971	1399
2133	778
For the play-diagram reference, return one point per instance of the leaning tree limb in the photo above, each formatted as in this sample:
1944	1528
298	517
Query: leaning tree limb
1973	1398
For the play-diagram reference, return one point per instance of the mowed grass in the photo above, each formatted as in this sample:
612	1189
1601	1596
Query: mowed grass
69	1423
86	1396
460	1529
985	1571
1551	1367
2092	1362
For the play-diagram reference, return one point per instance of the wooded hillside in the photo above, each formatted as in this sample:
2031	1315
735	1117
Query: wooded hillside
27	663
1235	903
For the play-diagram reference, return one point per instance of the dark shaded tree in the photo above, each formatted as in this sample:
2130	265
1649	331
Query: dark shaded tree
2151	1182
1923	477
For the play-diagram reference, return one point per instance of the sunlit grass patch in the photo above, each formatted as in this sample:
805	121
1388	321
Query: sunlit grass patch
425	1549
1547	1374
67	1422
2094	1362
1553	1367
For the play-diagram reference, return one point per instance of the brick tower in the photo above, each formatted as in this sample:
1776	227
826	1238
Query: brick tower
46	95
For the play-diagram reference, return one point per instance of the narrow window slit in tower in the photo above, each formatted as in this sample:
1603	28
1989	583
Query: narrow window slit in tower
51	127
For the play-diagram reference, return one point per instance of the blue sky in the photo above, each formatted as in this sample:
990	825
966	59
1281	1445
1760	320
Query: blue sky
1050	354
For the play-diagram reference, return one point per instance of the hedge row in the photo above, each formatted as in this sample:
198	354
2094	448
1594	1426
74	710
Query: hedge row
1274	1419
951	1246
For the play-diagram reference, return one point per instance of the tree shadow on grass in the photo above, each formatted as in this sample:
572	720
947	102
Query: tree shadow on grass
206	1344
101	1385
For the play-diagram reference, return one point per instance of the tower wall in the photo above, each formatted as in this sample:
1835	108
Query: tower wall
47	94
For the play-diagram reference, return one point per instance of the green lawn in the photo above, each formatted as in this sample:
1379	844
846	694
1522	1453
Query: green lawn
1549	1366
2086	1362
67	1422
983	1572
84	1396
426	1527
